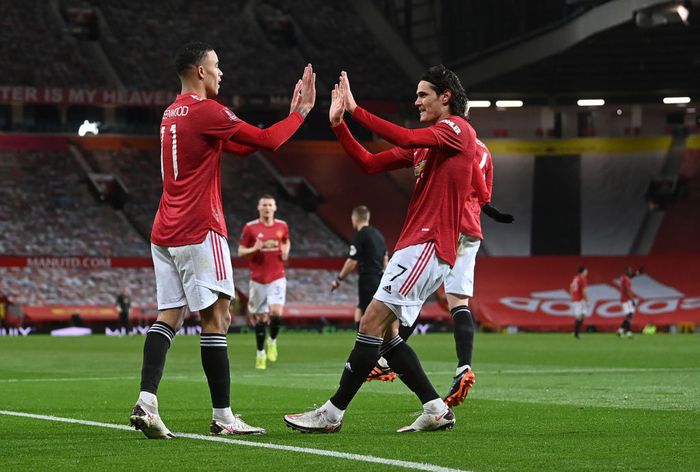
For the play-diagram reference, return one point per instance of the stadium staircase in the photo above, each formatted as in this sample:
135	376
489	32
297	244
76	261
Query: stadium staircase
343	186
680	230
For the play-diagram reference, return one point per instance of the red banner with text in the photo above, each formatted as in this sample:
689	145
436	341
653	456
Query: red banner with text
532	293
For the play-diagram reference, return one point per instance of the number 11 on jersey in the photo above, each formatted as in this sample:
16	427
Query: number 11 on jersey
173	147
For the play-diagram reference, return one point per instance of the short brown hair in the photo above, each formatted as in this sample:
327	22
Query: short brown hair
362	212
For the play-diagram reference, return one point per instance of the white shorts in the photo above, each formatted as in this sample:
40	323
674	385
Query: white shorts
261	296
460	280
193	275
412	275
580	308
628	307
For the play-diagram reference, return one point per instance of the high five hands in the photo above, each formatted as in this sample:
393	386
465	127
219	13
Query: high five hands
341	100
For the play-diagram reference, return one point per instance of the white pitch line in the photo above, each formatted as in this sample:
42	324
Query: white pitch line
240	442
68	379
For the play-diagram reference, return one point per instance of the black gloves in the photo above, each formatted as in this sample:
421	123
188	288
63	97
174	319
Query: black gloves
493	213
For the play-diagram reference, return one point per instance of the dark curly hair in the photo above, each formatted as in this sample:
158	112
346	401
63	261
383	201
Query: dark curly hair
191	55
441	78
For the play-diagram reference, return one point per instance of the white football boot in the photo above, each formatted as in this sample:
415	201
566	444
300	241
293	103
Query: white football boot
149	423
234	426
431	422
314	421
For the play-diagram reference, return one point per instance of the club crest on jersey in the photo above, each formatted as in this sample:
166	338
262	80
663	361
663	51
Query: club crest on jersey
418	168
452	125
279	233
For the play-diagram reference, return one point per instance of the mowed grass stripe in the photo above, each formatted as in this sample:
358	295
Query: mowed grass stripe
240	442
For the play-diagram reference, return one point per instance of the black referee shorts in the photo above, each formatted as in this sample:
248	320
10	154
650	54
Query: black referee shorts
366	288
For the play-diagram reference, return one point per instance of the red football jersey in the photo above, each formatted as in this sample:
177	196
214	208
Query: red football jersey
435	210
481	185
626	293
577	288
266	264
192	134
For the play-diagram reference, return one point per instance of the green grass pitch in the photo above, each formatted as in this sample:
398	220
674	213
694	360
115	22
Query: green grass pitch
542	402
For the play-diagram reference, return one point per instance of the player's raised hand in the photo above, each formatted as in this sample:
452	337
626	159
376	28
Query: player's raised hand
258	245
337	108
296	97
308	91
350	103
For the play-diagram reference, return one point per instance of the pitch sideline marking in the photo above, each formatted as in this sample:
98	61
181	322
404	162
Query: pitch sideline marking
240	442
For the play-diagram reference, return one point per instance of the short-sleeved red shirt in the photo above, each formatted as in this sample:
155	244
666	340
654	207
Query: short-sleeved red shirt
265	265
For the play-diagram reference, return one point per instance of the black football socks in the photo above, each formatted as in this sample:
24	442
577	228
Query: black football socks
214	348
404	361
158	340
464	334
362	359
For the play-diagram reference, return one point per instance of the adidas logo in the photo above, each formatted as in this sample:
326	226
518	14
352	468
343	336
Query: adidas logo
387	288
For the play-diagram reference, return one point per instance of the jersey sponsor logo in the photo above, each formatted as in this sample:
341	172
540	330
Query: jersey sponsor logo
452	125
229	114
173	112
270	245
353	250
387	289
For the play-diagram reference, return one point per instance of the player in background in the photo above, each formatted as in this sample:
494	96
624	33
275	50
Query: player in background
123	305
265	241
579	296
188	241
459	283
367	253
627	300
441	156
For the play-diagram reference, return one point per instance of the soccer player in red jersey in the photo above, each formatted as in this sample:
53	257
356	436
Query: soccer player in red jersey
627	300
441	156
579	296
266	242
189	238
459	283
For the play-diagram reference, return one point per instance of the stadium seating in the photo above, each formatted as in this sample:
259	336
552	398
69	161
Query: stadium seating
241	40
40	286
48	210
38	51
243	182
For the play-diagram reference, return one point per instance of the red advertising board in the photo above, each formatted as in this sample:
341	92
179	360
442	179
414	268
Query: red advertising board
532	293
